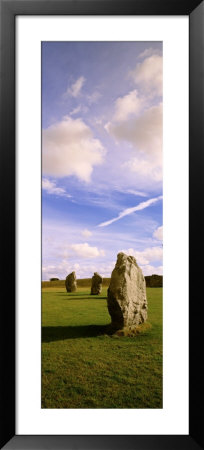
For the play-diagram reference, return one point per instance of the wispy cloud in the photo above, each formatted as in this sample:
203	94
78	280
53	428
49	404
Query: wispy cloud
75	110
82	109
133	192
51	188
76	87
94	97
86	233
128	211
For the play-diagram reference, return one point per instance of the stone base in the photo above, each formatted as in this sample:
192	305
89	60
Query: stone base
72	289
98	292
130	331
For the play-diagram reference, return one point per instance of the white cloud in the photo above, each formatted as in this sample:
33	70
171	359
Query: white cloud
86	233
152	270
86	251
143	132
128	211
51	188
146	256
76	87
158	233
145	167
58	270
128	105
59	258
149	52
82	271
69	148
148	75
86	270
105	270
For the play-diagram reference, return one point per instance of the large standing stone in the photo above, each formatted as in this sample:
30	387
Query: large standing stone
70	282
127	302
96	284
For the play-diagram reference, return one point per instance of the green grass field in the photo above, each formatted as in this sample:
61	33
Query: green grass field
84	368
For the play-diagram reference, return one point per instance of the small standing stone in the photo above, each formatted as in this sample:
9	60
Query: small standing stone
96	284
127	301
70	282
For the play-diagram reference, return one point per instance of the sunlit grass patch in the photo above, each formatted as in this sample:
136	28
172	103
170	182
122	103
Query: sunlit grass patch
84	367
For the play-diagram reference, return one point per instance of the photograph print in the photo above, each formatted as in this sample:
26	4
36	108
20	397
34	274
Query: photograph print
102	225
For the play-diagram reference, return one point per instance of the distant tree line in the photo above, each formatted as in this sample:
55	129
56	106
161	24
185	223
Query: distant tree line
151	281
154	280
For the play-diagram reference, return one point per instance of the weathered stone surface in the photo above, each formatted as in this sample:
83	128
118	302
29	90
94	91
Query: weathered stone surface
96	284
127	301
70	282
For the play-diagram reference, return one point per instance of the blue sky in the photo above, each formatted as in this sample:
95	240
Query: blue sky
101	156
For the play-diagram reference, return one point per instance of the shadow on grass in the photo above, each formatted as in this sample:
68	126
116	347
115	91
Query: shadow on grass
80	295
51	334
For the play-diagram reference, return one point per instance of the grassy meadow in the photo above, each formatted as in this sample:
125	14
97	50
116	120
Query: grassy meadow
83	367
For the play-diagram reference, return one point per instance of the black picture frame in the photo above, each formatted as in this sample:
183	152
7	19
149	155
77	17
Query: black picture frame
9	9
